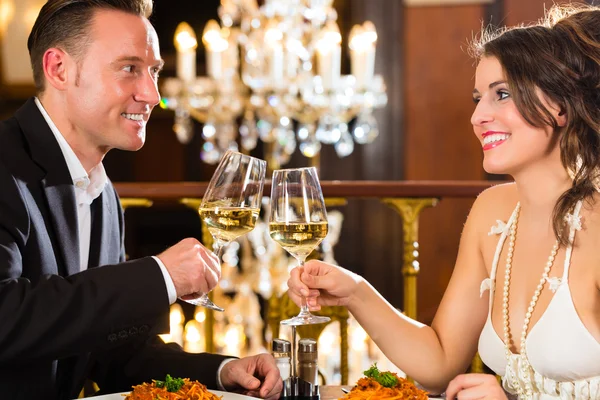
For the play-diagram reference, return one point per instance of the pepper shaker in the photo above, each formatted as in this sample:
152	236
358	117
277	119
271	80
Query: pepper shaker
308	371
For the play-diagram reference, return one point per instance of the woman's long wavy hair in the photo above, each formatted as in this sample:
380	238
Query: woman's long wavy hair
561	57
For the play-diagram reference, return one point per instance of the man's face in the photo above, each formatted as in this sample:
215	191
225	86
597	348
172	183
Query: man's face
115	88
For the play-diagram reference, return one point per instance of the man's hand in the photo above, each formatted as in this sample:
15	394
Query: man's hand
192	267
256	376
475	386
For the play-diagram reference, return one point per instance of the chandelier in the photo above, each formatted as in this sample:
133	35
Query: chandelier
274	74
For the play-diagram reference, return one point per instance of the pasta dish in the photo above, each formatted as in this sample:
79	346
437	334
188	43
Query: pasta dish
370	389
390	387
184	389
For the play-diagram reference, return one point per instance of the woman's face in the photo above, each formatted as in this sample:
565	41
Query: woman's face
510	144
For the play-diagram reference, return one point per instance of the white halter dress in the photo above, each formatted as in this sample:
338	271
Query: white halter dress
563	357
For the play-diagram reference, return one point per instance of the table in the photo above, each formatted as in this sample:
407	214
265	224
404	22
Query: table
331	392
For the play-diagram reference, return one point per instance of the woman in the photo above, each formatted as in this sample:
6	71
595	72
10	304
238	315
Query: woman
525	291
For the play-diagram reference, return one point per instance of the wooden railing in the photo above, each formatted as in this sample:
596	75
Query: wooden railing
407	198
349	189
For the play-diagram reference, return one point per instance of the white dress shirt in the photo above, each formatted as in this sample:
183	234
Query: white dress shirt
87	189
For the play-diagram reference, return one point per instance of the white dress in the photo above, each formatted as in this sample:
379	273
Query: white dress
563	358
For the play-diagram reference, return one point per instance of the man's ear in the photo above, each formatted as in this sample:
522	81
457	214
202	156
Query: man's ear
56	63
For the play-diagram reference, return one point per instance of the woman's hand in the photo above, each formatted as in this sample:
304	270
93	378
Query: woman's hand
322	284
475	386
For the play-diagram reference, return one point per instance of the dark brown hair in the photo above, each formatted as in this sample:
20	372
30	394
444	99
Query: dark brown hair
561	57
65	24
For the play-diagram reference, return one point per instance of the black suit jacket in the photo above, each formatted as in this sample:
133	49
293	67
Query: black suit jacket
59	326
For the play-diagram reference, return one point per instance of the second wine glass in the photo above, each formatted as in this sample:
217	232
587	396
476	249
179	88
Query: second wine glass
298	222
230	205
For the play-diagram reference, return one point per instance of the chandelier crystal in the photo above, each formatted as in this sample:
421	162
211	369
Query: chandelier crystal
274	74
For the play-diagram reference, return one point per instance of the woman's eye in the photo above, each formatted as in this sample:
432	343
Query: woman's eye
128	68
476	100
503	94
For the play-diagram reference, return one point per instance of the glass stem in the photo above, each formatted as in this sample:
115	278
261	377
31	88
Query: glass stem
218	248
304	308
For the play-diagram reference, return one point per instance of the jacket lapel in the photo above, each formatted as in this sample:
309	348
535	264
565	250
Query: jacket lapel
57	184
104	242
63	212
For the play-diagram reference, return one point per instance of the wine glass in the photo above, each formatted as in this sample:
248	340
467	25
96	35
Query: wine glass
298	222
230	205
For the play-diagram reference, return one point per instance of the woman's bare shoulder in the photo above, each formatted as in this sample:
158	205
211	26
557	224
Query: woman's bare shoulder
500	196
493	204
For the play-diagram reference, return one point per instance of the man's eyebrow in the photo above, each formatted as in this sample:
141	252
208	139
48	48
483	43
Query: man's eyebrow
130	59
491	86
135	59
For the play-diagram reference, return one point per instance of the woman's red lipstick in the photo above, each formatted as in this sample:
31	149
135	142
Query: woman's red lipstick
495	143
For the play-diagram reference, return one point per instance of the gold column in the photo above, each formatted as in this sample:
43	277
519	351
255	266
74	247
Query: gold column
344	349
207	240
410	209
477	365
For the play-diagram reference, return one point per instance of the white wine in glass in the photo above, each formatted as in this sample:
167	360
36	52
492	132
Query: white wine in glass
298	239
298	222
230	205
226	224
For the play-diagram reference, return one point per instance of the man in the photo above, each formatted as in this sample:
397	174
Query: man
62	317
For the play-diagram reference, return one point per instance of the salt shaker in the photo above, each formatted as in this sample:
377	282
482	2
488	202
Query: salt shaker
308	372
281	350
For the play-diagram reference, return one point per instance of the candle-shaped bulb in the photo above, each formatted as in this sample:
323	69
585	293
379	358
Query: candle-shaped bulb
274	52
370	32
216	45
185	38
212	37
329	55
330	36
355	36
363	37
186	44
362	53
211	33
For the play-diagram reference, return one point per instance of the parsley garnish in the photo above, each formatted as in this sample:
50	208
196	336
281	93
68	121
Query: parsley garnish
171	384
385	379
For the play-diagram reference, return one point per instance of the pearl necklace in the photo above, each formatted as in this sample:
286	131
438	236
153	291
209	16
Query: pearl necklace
527	390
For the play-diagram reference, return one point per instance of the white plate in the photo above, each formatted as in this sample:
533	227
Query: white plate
226	396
